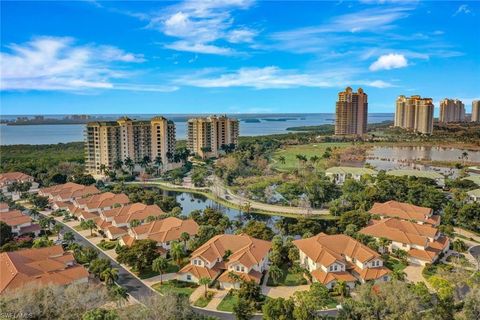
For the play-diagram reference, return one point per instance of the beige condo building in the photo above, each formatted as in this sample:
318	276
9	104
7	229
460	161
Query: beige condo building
109	141
475	111
451	111
208	135
351	112
414	113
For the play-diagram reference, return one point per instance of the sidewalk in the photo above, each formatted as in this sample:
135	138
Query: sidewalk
217	298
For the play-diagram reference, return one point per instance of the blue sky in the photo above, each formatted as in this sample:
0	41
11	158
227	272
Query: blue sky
233	56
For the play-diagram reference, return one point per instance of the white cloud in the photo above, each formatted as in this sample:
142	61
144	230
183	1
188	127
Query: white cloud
272	77
389	61
464	8
199	25
58	63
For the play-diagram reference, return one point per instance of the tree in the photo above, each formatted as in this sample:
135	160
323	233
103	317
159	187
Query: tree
243	309
358	218
341	289
119	294
204	281
135	223
185	236
57	228
160	265
129	164
258	229
40	202
140	255
158	163
90	224
85	255
118	164
471	306
6	234
68	237
46	222
98	266
42	242
177	252
100	314
275	273
278	309
109	275
282	159
399	274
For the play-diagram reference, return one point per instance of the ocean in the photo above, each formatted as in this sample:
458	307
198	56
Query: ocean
250	125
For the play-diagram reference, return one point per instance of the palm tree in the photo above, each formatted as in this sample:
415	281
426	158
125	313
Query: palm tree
314	159
234	277
204	281
129	164
464	157
341	288
282	159
90	225
46	222
120	294
68	237
399	274
276	273
57	229
118	164
158	164
135	223
383	243
102	168
160	265
109	275
185	237
177	252
145	162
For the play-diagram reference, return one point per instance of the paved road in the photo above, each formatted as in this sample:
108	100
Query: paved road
135	287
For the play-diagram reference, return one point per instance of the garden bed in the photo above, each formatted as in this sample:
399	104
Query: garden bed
288	279
203	301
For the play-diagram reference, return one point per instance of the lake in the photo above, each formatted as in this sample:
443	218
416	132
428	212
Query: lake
250	125
389	158
192	201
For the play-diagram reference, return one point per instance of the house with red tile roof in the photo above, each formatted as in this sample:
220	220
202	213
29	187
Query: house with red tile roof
405	211
162	231
227	254
63	194
20	222
9	178
101	202
4	207
423	243
115	222
334	258
43	266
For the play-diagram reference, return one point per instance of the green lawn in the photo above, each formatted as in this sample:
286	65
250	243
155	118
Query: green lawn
288	279
394	264
176	286
172	267
228	302
203	301
107	245
79	228
308	150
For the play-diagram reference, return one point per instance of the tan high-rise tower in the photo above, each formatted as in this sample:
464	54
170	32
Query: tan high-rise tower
475	111
351	112
451	111
414	113
209	135
107	142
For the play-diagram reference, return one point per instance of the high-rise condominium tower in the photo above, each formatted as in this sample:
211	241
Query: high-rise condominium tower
208	135
107	142
476	111
351	112
414	113
452	111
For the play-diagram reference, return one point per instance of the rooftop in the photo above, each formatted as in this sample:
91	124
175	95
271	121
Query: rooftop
416	173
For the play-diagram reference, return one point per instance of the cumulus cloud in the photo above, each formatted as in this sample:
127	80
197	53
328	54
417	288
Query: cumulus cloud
59	63
463	9
389	61
198	26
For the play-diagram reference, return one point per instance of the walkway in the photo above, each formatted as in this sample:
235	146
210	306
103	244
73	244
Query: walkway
220	191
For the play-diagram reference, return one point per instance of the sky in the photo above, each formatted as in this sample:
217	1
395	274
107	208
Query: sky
233	56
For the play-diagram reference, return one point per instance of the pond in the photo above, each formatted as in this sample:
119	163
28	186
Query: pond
389	158
192	201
